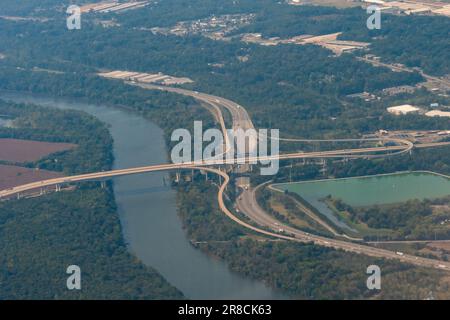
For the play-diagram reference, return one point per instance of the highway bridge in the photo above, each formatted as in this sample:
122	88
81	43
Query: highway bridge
345	153
265	224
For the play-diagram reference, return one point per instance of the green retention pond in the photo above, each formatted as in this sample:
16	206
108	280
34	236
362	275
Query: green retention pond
370	190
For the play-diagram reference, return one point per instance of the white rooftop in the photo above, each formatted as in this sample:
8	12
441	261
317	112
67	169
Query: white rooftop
437	113
403	109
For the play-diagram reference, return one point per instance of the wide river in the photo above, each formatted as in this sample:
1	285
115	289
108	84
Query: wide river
147	209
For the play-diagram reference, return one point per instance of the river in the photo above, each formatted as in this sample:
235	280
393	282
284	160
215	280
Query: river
147	209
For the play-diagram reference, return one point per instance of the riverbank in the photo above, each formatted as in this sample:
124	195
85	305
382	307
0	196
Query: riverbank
301	271
148	209
393	206
45	235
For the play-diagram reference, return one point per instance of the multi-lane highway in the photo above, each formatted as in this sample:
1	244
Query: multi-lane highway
400	68
247	203
345	153
265	224
239	115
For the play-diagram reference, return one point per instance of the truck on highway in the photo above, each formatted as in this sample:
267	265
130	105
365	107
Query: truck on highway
399	253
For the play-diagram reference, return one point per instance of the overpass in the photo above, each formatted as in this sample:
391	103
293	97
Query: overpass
242	120
345	153
266	222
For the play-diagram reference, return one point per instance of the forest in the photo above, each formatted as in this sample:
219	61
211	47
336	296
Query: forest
297	88
42	236
300	89
305	271
302	271
413	219
93	152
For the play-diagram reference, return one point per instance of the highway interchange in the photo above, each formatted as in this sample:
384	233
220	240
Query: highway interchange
262	222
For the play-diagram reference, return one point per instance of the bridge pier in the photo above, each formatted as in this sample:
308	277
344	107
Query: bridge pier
103	184
290	172
324	166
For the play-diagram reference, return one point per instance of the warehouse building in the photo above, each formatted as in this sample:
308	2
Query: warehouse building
437	113
403	109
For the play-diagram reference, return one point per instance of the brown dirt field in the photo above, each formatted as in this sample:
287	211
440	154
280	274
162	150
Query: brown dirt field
15	150
12	176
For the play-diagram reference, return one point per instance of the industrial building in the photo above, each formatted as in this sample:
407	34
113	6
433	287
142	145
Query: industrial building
411	7
403	109
158	78
438	113
112	6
